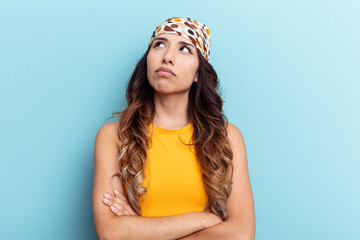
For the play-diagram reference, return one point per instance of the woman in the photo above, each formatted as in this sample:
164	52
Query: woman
172	167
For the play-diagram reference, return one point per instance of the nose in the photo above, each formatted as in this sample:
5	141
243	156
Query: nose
169	56
167	60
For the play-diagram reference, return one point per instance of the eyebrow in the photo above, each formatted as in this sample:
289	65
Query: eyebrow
180	42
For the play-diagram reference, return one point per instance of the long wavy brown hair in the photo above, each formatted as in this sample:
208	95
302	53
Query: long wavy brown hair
210	139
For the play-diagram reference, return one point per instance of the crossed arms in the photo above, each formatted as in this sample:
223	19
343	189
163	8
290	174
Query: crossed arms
123	223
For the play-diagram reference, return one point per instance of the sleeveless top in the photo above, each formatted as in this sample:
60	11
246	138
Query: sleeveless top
173	175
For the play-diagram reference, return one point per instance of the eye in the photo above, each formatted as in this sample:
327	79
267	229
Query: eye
157	44
186	48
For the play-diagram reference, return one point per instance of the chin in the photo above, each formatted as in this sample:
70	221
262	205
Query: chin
162	90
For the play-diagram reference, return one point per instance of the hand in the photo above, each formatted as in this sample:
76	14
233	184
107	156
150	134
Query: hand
117	201
118	204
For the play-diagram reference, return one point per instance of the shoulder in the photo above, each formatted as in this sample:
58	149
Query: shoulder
108	133
108	129
237	143
110	126
234	134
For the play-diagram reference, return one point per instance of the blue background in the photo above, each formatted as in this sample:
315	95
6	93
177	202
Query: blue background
289	72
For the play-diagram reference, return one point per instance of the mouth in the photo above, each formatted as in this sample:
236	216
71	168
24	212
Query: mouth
165	72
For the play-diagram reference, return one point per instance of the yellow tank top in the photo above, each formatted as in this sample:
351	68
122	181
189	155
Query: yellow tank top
172	174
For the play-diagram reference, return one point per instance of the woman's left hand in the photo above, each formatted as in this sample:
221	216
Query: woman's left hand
117	201
118	204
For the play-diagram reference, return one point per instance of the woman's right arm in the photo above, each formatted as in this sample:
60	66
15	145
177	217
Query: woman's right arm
110	226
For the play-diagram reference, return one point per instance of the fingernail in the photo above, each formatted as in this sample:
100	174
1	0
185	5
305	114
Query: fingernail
107	195
116	191
106	200
112	208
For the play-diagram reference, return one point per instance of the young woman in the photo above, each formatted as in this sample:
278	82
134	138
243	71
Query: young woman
171	167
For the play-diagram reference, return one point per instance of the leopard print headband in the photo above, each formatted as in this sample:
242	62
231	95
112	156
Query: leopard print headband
197	32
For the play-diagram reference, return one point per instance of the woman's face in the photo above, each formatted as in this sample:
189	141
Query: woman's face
177	54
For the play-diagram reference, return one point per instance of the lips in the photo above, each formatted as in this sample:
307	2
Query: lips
165	70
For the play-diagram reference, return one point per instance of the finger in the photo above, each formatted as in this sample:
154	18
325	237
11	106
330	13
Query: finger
118	198
125	211
107	201
116	211
111	200
125	204
119	193
129	210
108	196
119	209
122	200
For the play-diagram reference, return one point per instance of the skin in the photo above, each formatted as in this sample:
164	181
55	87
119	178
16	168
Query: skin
171	94
114	218
181	59
184	62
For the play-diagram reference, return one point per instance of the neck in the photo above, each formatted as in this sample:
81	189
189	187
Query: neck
171	111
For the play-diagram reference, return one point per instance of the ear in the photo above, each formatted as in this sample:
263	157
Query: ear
196	77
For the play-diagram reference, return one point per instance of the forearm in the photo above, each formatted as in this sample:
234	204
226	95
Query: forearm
171	227
226	230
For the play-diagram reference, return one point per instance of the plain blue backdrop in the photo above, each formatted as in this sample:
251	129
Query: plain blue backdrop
289	72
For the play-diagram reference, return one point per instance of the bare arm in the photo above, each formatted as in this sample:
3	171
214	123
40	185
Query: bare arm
240	205
110	226
226	230
135	227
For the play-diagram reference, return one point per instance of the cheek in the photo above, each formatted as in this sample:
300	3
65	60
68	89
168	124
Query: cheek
151	58
190	71
149	64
